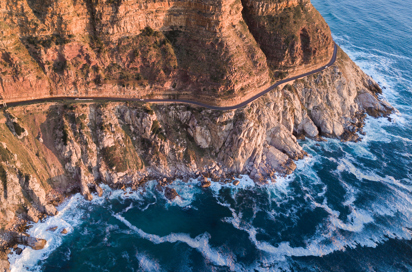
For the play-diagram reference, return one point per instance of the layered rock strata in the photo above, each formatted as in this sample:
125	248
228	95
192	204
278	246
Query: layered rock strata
220	51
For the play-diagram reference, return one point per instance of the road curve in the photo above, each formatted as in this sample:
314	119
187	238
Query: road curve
250	100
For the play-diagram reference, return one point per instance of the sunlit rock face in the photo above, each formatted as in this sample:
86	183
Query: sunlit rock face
220	51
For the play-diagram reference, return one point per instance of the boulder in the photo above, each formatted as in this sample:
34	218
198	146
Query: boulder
206	183
52	229
18	251
32	242
171	193
64	231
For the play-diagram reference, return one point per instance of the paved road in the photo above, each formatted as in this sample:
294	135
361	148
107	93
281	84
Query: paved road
250	100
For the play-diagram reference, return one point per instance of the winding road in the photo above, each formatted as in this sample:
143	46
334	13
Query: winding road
240	105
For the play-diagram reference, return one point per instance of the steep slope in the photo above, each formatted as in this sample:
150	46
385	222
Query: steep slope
292	34
201	50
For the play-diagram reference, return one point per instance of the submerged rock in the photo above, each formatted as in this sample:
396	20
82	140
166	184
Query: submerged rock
52	229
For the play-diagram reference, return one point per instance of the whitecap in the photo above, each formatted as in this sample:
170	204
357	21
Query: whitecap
187	192
68	218
147	264
200	243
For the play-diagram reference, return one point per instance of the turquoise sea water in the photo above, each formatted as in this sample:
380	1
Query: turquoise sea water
347	208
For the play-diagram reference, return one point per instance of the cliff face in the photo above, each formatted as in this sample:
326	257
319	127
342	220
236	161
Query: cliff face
52	150
220	51
292	34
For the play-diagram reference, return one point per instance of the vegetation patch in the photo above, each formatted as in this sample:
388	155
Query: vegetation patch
3	177
280	35
13	125
48	41
5	154
147	109
121	159
207	57
145	57
65	137
158	130
59	66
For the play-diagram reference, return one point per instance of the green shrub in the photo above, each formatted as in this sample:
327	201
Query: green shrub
148	110
18	129
59	66
65	137
114	157
5	154
148	31
157	130
3	177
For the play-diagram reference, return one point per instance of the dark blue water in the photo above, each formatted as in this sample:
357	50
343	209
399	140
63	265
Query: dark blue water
347	208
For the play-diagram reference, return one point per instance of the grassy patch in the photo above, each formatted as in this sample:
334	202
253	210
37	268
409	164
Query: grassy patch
5	154
158	130
48	41
19	130
65	137
3	177
120	158
113	158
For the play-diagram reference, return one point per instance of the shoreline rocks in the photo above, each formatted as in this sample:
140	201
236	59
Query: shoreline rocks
205	183
34	243
126	144
171	194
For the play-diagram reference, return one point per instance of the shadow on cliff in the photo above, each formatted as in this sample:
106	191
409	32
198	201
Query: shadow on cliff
40	8
50	129
200	54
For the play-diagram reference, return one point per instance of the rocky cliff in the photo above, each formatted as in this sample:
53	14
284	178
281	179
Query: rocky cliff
220	51
52	150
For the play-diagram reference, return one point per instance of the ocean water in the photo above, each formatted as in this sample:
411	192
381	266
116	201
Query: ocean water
348	207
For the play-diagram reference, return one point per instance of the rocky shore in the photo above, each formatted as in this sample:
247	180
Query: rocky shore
50	151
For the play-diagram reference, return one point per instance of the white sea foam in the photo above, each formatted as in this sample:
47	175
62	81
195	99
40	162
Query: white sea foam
345	164
245	182
200	243
330	236
68	218
187	192
147	264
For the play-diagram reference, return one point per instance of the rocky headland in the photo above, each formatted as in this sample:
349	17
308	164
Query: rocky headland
219	52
